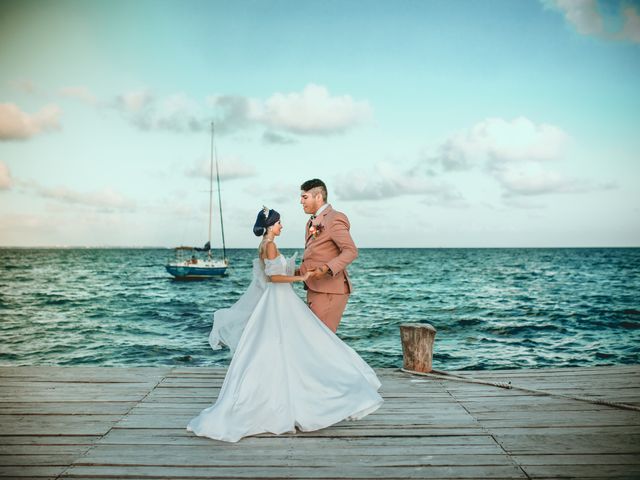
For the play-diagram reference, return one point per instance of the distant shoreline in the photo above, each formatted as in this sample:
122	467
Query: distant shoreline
80	247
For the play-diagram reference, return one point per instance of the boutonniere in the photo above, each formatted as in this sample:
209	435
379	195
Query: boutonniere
316	230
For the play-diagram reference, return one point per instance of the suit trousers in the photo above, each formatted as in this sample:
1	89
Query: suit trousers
328	307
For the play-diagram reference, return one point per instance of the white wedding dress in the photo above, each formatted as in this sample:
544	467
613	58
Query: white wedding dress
288	368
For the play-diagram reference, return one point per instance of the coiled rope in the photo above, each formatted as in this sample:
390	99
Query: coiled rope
441	375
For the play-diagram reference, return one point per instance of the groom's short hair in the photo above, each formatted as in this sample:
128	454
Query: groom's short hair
315	183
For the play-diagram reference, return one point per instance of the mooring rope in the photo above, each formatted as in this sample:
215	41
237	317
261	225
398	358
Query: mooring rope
440	375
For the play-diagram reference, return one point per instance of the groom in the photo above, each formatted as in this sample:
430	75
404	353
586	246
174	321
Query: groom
328	250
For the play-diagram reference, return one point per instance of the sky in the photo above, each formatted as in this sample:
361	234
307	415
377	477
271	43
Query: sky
434	123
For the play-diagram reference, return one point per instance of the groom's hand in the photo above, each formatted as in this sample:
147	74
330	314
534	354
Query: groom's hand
321	272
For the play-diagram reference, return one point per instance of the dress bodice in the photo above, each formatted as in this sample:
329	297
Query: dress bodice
280	265
277	266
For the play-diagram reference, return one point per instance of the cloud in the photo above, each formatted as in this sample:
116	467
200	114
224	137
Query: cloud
631	25
532	180
5	177
105	199
313	112
582	14
588	19
499	140
231	168
80	93
232	112
18	125
274	138
516	153
388	181
174	113
25	86
134	102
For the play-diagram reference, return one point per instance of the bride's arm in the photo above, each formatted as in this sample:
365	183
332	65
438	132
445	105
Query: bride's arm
289	279
272	252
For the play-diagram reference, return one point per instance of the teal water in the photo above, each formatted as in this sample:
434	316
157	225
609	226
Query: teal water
493	308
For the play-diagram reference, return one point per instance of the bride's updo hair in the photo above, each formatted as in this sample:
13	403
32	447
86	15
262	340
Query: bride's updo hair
265	219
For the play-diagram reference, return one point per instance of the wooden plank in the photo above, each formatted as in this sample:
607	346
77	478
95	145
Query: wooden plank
39	472
50	459
337	472
563	459
57	424
181	420
79	407
55	439
300	449
206	457
39	449
582	471
570	443
170	437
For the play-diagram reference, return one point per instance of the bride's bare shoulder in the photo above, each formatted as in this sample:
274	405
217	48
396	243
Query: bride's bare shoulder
268	249
271	250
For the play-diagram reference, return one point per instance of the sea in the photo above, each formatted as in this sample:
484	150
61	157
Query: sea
501	308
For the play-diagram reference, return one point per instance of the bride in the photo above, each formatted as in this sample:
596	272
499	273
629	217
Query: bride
288	368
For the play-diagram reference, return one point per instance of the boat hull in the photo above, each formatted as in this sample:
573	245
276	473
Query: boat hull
191	272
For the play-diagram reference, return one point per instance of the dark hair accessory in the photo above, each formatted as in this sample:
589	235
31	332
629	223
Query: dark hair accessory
265	219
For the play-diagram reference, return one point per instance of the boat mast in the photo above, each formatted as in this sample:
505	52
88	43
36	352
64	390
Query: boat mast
210	191
224	249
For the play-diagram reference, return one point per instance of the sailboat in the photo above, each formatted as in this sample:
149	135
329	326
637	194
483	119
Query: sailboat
188	263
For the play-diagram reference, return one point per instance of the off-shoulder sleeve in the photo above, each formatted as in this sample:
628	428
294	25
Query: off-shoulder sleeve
274	267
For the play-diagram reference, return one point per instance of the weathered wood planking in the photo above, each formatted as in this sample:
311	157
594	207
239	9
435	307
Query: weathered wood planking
107	422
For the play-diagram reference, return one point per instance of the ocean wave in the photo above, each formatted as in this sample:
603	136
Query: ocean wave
492	308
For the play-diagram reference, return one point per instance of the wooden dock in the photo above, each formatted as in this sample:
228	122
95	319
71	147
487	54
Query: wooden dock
101	422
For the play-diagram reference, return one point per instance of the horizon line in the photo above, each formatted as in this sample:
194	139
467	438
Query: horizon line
158	247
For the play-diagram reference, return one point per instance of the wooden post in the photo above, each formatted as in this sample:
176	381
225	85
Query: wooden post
417	346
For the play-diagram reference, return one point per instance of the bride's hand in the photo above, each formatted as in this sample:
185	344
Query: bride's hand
306	275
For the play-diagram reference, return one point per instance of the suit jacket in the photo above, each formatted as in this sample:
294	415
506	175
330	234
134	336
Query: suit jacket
332	245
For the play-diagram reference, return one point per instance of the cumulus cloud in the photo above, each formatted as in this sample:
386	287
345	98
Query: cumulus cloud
499	140
631	25
177	112
232	112
274	138
582	14
312	112
134	102
81	93
105	199
532	180
5	177
18	125
516	153
231	168
387	180
588	19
